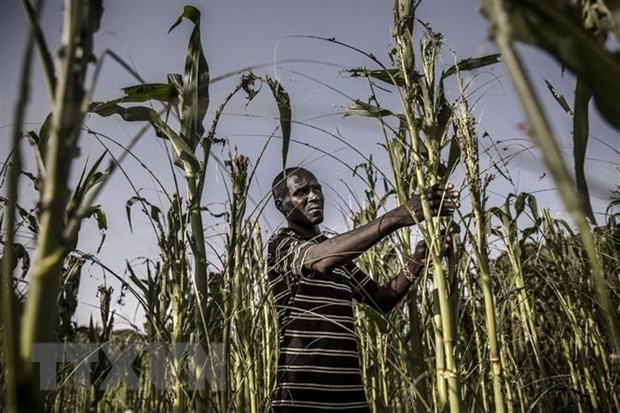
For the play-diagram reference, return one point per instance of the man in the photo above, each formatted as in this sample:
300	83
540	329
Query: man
314	281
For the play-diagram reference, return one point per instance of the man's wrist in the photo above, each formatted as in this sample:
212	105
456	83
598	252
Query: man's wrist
412	270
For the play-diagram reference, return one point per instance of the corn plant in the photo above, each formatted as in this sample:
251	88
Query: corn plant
571	45
414	154
59	223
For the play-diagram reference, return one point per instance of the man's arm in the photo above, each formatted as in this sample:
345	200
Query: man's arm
345	247
385	297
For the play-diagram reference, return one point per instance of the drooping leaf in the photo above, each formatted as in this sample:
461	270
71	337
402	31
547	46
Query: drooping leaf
360	108
195	94
391	76
184	155
559	98
471	64
102	223
163	92
284	107
100	217
581	130
189	12
154	213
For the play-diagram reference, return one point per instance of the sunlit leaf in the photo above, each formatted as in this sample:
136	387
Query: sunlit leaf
164	92
195	96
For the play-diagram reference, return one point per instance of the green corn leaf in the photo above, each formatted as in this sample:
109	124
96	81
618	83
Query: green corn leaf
360	108
41	141
391	76
100	217
471	64
102	223
284	107
176	80
533	204
454	155
195	96
520	202
443	115
163	92
86	182
189	12
184	155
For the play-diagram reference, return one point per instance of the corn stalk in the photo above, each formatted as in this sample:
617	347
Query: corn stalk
466	135
54	241
420	89
509	22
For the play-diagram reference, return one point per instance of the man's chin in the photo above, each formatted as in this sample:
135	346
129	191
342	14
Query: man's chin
318	220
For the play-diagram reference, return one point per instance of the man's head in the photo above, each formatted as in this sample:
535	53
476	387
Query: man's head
299	197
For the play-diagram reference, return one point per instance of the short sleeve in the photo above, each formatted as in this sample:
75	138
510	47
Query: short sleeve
287	253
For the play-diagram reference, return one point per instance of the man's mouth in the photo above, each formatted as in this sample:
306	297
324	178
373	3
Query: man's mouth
315	208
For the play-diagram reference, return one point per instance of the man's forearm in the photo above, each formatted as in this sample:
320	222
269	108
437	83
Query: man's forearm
388	295
345	247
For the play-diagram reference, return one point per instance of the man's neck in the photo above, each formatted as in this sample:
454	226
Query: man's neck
306	231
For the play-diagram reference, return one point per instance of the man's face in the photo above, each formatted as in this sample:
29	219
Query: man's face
304	203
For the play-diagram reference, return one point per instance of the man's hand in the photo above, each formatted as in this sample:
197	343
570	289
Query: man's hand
441	199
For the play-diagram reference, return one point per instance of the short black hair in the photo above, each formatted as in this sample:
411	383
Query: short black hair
279	189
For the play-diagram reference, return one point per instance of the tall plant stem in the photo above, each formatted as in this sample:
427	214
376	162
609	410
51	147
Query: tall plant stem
544	139
81	20
10	316
470	154
404	17
450	374
200	282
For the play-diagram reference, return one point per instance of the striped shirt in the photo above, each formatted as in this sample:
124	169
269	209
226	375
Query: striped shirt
318	366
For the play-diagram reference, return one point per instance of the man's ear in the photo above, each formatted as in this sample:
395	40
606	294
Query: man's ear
279	204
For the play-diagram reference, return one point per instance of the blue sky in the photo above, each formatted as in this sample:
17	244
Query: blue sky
264	34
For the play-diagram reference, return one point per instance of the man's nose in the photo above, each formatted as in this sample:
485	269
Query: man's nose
314	195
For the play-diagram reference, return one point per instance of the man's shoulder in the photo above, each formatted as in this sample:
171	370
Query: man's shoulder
285	232
281	233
